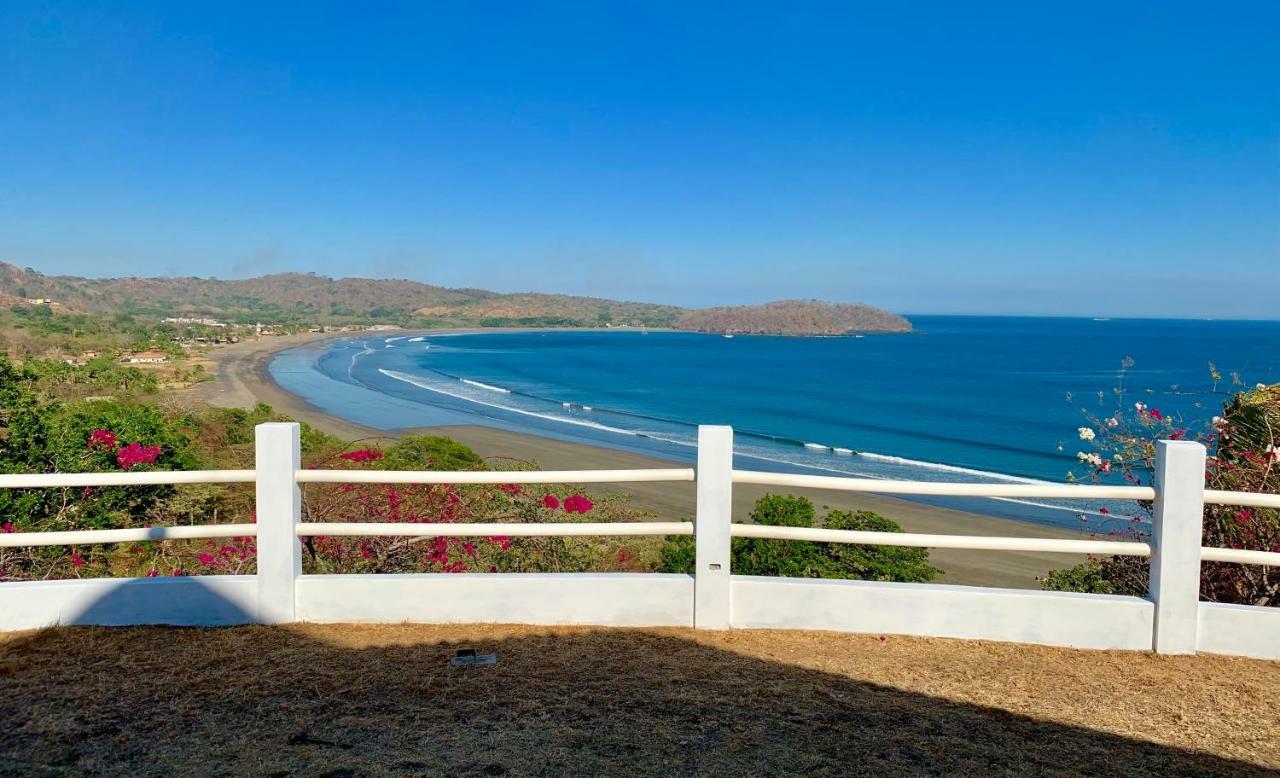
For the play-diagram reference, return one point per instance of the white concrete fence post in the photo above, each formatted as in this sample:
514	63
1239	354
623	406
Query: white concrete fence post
1177	528
711	528
279	509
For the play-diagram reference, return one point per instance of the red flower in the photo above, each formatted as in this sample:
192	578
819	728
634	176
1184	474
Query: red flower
577	504
551	501
136	454
363	455
76	559
100	438
1104	511
510	488
1155	414
8	527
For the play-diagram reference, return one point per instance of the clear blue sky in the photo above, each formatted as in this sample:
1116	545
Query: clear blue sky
1098	159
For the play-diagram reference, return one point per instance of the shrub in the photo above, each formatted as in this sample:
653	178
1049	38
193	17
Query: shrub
1244	455
805	559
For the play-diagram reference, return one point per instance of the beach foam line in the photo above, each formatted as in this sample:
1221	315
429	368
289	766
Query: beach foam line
393	340
489	387
418	339
892	460
423	384
817	447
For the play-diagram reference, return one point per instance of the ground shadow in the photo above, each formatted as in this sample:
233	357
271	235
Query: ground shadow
375	700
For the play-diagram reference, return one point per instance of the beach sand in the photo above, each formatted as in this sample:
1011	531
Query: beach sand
243	380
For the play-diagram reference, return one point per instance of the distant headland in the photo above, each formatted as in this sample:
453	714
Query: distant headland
289	302
793	317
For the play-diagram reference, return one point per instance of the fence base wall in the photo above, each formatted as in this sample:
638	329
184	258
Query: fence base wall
208	601
1014	615
1239	630
607	599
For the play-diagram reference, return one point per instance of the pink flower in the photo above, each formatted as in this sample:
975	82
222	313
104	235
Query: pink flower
8	527
551	501
510	488
363	455
502	541
136	454
1155	414
1104	511
623	555
76	559
577	504
100	438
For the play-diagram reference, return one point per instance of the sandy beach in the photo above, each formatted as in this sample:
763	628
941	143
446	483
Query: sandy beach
243	381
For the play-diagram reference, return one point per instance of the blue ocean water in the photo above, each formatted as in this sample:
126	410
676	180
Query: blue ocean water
961	398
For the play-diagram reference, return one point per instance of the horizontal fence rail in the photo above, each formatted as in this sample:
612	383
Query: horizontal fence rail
130	535
1243	499
461	530
976	542
944	488
1240	556
147	478
490	477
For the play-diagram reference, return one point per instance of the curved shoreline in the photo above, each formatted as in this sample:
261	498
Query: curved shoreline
243	380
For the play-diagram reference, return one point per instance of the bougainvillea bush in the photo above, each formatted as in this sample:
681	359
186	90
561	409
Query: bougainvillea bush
1244	455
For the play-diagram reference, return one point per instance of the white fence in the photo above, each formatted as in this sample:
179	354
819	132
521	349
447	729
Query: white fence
1171	619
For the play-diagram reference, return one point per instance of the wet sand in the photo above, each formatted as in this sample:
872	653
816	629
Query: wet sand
243	380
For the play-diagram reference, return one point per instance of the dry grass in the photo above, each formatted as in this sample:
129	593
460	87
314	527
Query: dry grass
373	700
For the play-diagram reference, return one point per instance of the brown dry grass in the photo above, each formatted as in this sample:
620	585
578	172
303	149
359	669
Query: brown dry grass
375	700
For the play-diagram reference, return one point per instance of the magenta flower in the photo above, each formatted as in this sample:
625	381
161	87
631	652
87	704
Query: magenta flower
136	454
363	455
577	504
551	502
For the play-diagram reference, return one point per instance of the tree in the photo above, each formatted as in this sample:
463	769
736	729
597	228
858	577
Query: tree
805	559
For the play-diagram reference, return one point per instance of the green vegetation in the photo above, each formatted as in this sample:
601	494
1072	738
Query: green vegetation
293	300
803	559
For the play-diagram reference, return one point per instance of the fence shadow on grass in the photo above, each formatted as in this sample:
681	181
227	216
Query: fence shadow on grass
374	700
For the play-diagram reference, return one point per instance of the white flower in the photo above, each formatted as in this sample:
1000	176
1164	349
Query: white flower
1139	406
1086	433
1092	459
1113	422
1260	386
1217	421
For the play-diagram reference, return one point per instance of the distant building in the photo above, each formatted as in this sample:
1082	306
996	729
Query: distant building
146	358
190	320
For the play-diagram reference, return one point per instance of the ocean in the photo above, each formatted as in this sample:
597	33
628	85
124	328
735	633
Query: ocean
980	399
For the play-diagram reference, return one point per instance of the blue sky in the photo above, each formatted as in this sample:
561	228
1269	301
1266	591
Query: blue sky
1096	159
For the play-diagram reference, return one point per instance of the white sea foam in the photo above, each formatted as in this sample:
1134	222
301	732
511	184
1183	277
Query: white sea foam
393	340
844	452
354	357
490	387
892	460
418	339
816	447
424	384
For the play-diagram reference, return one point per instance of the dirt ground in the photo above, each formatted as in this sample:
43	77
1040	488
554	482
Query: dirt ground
348	700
